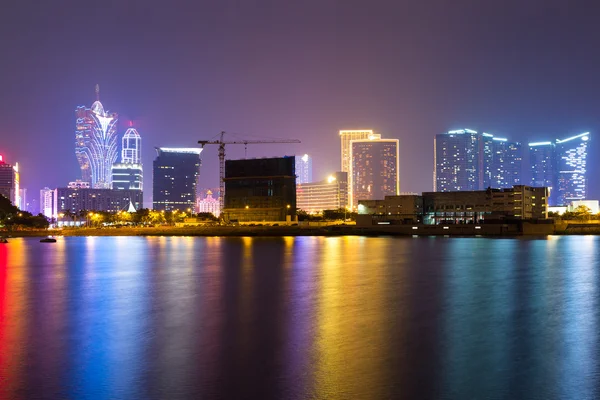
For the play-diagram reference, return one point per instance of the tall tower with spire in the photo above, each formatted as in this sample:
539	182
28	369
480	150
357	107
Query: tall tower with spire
96	142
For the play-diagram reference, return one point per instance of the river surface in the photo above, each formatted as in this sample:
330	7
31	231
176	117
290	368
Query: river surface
300	318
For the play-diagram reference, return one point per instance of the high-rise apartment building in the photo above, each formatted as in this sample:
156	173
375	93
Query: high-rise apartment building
304	169
571	168
502	162
175	178
465	159
346	136
374	168
562	167
96	143
542	166
328	194
458	161
48	202
9	182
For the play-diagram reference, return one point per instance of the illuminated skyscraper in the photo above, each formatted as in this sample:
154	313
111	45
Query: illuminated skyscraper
374	168
9	182
346	136
561	166
542	163
96	143
459	161
129	174
175	178
502	162
48	202
571	168
131	149
303	169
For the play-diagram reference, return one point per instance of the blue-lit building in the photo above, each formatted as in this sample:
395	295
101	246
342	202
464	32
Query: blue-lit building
561	166
458	161
502	162
304	169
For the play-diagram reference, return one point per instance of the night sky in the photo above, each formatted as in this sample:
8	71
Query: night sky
185	70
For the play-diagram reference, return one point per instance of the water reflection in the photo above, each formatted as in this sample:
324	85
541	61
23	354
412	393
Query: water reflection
305	317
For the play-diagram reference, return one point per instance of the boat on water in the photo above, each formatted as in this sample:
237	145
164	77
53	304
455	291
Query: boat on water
49	239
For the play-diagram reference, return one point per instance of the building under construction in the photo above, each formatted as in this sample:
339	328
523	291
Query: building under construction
260	190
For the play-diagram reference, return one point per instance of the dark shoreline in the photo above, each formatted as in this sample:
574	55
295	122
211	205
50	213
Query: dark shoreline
280	231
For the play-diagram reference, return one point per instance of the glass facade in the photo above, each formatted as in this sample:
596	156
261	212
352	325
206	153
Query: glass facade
459	161
303	169
562	167
175	178
571	168
374	169
262	189
468	160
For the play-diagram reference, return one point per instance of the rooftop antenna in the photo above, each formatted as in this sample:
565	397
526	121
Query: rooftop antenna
97	92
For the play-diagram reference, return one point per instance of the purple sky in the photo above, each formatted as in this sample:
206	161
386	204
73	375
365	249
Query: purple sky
185	70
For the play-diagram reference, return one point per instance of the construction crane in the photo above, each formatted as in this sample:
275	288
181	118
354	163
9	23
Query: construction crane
222	144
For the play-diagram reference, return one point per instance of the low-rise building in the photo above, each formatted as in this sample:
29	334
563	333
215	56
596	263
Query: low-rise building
328	194
209	205
110	200
519	202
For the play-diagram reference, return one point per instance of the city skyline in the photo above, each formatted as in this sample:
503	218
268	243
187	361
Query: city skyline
305	74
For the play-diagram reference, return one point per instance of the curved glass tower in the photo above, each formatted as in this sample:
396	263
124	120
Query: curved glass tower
96	143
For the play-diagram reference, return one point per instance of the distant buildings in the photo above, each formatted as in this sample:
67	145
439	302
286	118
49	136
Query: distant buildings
328	194
303	169
374	168
77	200
562	167
502	162
96	143
48	202
459	207
465	159
131	147
261	189
346	137
127	176
458	161
209	205
9	182
175	178
571	168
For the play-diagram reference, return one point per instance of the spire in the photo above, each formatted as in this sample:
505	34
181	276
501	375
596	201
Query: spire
97	92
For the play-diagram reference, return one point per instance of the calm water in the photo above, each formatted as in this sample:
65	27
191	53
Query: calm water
296	318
